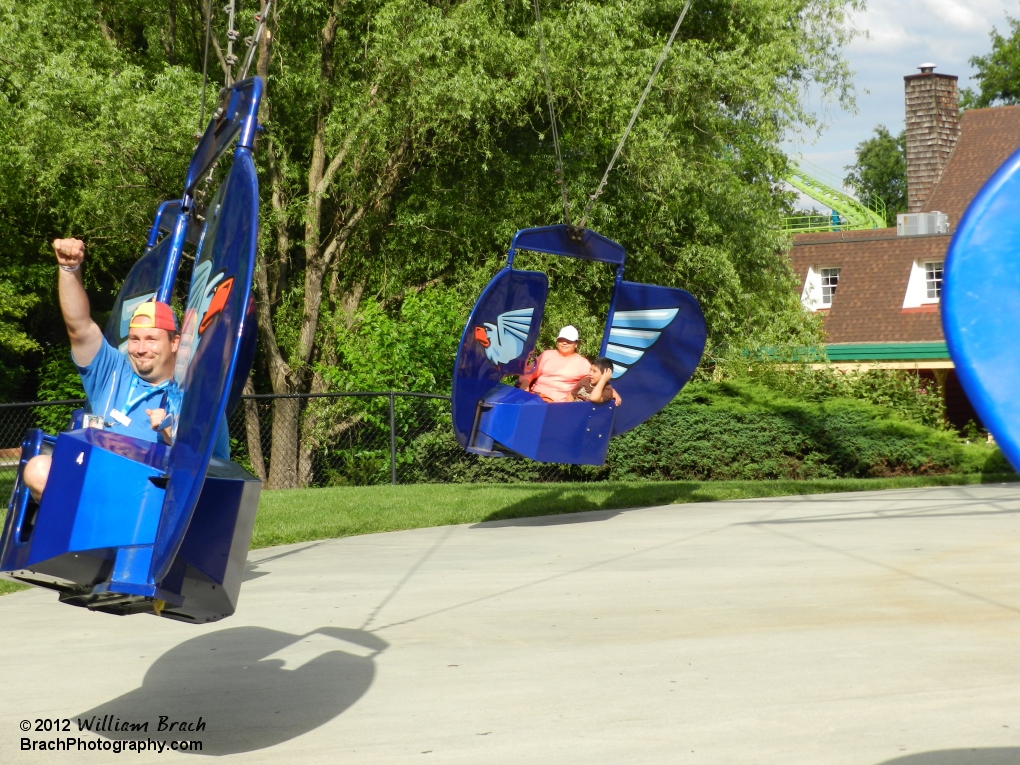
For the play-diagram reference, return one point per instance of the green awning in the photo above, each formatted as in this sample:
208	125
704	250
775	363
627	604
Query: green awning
843	352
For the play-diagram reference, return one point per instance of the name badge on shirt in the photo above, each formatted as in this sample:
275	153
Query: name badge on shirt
116	416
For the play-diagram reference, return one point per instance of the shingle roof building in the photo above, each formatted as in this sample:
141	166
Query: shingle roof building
879	291
987	138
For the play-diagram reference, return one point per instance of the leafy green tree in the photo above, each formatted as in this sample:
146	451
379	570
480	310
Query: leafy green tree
429	147
405	142
881	169
92	142
998	72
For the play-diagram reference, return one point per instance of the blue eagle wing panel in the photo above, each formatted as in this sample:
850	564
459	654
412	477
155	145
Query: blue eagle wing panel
631	333
634	338
980	305
140	285
507	342
510	306
656	339
212	334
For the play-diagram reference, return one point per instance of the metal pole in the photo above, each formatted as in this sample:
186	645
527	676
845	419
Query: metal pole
393	444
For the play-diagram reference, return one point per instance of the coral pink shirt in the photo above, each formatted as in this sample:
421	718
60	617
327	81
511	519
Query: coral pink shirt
556	375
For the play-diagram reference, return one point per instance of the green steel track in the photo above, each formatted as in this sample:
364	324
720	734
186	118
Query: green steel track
854	215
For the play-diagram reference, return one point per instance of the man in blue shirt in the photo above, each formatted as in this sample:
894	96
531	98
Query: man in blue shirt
135	396
127	392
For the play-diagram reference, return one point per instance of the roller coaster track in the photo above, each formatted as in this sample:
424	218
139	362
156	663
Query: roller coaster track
854	214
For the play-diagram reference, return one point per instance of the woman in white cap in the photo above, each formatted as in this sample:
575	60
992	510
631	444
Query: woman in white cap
557	372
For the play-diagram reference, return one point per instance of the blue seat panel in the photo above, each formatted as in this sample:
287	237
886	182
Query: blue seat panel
575	433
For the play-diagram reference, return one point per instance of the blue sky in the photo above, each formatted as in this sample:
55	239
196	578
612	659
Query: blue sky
900	35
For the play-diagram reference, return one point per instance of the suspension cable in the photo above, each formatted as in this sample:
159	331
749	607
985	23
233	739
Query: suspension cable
251	42
634	116
232	35
552	116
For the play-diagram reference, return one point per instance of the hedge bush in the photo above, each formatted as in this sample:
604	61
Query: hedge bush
738	430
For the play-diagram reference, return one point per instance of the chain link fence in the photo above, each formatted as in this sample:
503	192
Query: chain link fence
327	439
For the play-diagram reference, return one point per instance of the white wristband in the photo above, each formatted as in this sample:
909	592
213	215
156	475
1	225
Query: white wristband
71	268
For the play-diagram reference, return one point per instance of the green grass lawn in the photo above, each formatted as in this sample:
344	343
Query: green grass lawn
7	587
302	515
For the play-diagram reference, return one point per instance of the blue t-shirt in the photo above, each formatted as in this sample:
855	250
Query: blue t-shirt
114	389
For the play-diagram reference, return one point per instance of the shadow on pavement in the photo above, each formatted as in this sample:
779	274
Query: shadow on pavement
251	569
556	504
252	687
575	516
1008	755
568	505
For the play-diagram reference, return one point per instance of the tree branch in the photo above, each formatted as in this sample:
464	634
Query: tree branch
213	40
415	288
389	177
338	160
313	207
314	272
278	195
280	373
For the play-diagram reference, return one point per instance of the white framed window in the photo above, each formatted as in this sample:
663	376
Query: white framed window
830	280
820	287
925	284
933	279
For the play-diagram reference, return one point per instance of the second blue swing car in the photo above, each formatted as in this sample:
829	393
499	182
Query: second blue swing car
654	335
128	526
980	305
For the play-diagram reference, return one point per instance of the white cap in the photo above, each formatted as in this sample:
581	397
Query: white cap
569	332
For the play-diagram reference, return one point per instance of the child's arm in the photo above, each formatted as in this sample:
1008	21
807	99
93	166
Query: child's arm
600	387
530	372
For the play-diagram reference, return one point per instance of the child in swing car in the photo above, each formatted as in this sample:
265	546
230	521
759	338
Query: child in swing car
597	388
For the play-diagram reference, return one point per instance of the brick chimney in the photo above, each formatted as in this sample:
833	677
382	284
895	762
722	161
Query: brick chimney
933	127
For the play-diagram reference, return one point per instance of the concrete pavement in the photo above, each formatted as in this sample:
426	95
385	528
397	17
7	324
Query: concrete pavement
855	628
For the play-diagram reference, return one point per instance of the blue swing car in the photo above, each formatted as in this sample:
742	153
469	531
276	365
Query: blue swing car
654	335
127	526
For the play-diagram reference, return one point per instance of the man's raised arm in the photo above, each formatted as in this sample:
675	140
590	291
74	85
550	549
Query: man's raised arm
85	335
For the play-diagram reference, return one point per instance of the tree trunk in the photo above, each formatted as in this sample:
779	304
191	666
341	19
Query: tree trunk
290	459
283	459
283	456
254	433
349	304
170	43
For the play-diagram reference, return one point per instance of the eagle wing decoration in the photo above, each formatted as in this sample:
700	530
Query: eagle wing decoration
634	332
511	332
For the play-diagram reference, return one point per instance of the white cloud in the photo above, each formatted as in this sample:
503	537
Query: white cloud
901	35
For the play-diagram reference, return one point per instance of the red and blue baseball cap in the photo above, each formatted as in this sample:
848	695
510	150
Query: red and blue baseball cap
153	315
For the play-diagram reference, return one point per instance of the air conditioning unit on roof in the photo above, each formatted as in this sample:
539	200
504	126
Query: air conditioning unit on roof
919	224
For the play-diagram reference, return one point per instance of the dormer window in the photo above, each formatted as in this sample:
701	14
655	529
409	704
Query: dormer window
924	288
830	280
820	287
933	279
